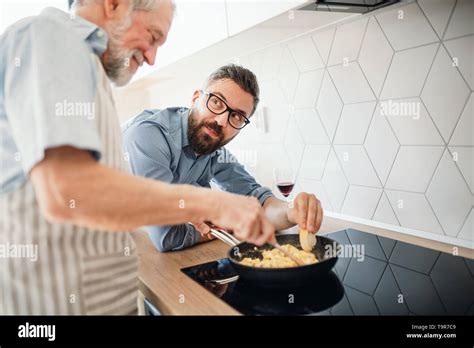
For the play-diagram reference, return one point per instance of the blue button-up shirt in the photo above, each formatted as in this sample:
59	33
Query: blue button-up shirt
156	142
46	66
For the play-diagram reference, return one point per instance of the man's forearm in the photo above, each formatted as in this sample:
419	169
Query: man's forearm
117	201
97	196
277	212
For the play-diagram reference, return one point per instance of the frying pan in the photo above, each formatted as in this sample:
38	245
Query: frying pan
279	277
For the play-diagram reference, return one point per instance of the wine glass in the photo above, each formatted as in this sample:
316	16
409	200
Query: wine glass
285	181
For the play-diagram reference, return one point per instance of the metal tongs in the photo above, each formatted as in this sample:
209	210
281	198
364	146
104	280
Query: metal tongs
222	234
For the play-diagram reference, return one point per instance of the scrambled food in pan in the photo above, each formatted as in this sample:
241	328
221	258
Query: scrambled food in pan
274	258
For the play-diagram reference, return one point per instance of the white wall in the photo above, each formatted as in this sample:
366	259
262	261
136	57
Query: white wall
14	10
375	115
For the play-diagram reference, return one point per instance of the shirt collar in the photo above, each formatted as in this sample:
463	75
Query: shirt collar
94	36
184	134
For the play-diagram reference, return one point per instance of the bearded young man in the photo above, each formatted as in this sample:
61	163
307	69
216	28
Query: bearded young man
181	145
64	186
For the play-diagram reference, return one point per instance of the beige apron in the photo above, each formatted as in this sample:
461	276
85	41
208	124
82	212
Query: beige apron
78	270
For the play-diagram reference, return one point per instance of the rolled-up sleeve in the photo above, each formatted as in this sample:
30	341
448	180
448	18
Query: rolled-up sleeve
231	176
50	92
150	156
173	237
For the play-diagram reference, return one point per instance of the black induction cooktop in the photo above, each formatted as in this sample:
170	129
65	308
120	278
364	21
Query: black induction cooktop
373	276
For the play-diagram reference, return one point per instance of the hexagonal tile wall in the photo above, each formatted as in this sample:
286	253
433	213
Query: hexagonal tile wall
413	168
354	123
335	182
411	122
445	93
462	56
408	72
329	105
437	13
323	41
307	89
347	40
381	144
375	55
306	55
461	20
351	83
401	24
357	166
294	144
313	161
462	135
288	75
449	195
379	120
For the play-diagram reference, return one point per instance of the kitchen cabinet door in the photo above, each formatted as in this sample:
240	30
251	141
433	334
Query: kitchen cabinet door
197	25
244	14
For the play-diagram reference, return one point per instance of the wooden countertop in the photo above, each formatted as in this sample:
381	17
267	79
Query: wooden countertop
174	293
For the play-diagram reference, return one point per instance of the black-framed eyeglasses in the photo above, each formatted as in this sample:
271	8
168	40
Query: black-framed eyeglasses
217	106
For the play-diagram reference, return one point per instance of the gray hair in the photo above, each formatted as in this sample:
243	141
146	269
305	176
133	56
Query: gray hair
136	5
243	77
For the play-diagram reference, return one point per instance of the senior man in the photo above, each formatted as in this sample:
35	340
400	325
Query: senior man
182	145
66	200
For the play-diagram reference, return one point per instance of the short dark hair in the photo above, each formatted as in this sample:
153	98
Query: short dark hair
241	76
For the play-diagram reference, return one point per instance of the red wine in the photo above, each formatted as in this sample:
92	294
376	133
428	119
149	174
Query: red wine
285	188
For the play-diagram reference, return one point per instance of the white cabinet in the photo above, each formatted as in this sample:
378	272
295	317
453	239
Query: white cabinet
197	25
244	14
200	24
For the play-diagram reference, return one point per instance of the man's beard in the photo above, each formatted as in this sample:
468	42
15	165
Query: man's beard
201	142
117	62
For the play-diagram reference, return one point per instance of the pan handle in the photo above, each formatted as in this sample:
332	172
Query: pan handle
236	241
226	280
224	236
224	232
221	234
